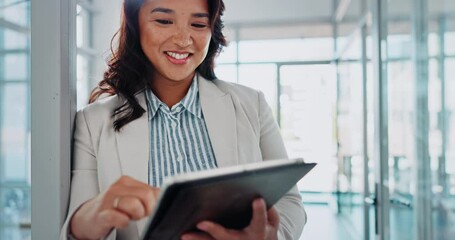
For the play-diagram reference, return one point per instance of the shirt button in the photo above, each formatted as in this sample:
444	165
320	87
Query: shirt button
174	125
179	158
178	109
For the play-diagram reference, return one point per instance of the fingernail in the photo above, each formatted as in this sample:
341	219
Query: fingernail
259	202
203	226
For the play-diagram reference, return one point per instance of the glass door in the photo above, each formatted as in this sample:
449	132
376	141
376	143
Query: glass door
355	181
307	103
417	155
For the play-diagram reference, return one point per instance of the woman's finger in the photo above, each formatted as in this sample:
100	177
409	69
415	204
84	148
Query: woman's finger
146	195
131	206
258	222
112	218
128	186
196	236
273	217
215	230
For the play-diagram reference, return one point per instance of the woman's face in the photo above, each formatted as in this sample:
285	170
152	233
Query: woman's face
175	36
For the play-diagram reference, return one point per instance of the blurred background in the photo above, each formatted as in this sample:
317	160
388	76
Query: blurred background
365	88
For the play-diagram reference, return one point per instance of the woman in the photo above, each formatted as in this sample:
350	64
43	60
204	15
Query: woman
169	114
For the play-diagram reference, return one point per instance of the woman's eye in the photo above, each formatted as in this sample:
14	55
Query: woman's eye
164	22
199	25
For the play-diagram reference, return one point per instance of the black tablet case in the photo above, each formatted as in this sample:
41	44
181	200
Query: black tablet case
225	198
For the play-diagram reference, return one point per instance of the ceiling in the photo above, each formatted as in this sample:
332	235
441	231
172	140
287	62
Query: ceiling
250	12
309	18
266	19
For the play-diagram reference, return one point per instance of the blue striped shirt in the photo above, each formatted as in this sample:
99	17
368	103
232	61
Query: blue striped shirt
179	141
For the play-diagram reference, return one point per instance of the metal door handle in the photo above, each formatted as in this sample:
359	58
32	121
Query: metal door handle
394	201
400	202
370	201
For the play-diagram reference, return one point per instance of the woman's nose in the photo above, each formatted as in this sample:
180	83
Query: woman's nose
182	37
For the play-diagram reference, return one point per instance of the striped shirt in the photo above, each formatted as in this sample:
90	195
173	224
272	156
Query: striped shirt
179	141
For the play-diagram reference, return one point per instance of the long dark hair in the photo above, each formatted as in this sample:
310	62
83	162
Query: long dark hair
128	67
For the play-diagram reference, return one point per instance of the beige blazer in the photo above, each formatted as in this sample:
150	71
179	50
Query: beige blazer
240	126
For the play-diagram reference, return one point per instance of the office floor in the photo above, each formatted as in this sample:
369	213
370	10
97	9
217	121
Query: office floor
324	224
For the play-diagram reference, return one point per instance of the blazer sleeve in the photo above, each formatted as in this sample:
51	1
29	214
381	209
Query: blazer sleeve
290	207
84	177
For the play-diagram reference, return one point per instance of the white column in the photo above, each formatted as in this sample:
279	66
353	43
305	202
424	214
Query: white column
53	97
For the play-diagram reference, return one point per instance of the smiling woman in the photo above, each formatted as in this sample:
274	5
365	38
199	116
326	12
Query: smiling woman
166	113
175	42
129	67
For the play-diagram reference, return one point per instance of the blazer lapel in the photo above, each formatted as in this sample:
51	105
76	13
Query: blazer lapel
133	146
219	115
133	142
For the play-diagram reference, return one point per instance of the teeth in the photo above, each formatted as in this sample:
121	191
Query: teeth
177	55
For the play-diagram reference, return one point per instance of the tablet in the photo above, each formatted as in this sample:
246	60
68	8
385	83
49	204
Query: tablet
222	195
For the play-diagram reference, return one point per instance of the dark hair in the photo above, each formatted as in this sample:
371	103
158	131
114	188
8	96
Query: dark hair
128	67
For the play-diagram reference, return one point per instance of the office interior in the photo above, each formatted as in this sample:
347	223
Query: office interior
364	88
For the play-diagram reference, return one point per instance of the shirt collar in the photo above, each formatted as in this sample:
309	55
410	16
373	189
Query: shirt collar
153	103
190	102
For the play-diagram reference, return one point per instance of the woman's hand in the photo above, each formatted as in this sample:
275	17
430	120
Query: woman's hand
125	200
263	226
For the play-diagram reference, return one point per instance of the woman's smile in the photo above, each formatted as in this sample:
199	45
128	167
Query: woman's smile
178	57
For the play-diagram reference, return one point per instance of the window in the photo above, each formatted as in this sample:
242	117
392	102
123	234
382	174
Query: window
278	65
85	53
14	119
286	50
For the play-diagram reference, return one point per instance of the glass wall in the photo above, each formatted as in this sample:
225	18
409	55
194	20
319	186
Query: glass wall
442	123
419	98
301	90
354	113
401	109
419	120
14	119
